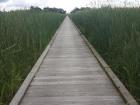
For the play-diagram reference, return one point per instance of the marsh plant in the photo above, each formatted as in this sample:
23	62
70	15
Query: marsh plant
23	36
115	33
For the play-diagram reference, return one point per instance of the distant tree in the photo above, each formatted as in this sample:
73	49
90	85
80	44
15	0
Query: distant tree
79	9
75	10
84	8
56	10
33	8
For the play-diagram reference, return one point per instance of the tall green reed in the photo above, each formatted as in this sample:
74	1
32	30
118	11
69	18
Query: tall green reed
115	33
23	37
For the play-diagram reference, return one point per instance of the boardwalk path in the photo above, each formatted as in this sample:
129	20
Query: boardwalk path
71	75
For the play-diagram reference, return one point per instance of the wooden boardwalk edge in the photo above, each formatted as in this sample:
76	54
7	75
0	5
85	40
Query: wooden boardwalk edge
128	98
22	90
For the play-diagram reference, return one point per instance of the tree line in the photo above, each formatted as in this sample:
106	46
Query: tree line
56	10
79	9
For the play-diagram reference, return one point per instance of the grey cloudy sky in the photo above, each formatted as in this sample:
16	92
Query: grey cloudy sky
65	4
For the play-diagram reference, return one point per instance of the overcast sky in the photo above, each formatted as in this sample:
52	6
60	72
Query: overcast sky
68	5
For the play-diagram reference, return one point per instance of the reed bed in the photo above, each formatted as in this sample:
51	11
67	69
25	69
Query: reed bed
24	34
115	33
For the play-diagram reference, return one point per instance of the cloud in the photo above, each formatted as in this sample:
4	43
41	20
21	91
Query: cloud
13	4
21	4
65	4
17	3
3	1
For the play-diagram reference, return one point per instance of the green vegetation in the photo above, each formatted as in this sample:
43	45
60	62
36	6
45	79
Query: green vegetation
23	37
55	10
115	33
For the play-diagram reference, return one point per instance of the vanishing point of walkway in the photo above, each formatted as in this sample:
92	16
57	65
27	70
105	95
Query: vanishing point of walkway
71	75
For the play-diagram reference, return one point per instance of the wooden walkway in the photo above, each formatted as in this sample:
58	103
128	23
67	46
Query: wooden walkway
71	75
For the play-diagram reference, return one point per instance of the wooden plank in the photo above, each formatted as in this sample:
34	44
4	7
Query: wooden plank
73	100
